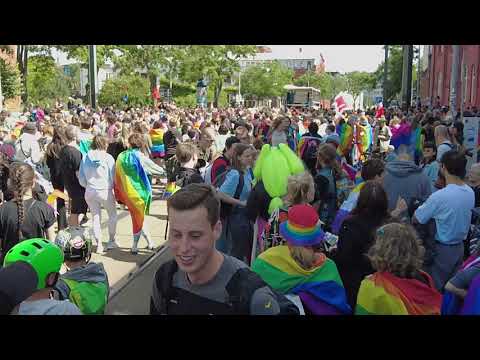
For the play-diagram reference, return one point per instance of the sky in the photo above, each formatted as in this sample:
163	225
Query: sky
341	58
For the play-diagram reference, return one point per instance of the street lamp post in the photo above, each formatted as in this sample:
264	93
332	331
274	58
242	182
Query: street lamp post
385	74
92	67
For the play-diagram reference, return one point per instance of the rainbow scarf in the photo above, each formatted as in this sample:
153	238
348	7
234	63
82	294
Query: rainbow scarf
158	148
385	294
346	208
132	187
345	132
321	288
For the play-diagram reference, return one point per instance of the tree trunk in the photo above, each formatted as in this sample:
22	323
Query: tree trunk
22	60
217	92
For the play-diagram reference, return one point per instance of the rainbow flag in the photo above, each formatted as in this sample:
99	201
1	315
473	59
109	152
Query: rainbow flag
385	294
364	137
417	141
401	135
321	288
346	208
132	187
345	132
84	146
170	189
158	148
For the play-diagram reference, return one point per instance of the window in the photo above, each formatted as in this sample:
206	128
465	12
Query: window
473	88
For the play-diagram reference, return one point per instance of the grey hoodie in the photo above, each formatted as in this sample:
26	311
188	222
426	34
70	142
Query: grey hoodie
92	272
405	179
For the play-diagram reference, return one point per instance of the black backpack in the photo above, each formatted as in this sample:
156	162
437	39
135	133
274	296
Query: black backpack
226	209
240	289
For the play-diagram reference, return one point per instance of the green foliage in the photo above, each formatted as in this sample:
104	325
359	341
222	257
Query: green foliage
46	82
214	62
358	81
265	80
394	76
135	86
322	82
11	80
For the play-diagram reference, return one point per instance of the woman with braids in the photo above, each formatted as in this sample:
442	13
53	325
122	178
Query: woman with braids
23	217
53	162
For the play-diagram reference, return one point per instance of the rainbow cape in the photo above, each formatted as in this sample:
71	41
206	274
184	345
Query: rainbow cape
158	148
345	132
321	288
346	208
385	294
132	187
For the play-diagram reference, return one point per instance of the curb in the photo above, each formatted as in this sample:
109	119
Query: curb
123	282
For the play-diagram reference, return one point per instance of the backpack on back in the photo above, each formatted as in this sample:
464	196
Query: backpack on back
91	298
240	289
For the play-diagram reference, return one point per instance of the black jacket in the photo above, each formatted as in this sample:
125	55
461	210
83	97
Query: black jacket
186	176
354	240
258	202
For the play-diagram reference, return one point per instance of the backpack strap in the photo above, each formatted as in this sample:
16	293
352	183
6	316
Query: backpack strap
241	288
241	182
163	280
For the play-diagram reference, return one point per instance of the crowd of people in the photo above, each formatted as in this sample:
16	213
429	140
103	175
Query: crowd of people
270	211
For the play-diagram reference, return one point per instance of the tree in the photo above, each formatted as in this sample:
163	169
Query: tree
358	81
394	76
322	82
135	87
213	62
81	53
150	59
265	80
46	81
23	54
11	80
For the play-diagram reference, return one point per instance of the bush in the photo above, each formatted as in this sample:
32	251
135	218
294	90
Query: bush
136	87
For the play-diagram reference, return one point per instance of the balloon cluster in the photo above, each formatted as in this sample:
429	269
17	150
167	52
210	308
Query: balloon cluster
274	165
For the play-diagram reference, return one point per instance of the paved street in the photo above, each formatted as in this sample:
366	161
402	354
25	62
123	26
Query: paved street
120	264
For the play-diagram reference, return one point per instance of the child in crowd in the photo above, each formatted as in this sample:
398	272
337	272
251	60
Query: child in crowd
85	283
428	164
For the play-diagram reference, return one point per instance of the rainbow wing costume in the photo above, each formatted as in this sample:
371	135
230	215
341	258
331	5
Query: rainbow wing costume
385	294
321	288
132	187
158	148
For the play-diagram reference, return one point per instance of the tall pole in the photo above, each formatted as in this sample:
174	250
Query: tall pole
418	76
407	76
92	73
454	80
385	75
464	87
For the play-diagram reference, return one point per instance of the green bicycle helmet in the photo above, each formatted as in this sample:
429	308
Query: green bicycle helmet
44	256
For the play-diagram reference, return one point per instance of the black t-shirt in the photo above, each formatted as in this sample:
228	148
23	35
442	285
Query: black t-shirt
170	142
115	149
70	159
38	217
56	171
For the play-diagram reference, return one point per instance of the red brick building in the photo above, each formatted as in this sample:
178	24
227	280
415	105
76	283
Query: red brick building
436	73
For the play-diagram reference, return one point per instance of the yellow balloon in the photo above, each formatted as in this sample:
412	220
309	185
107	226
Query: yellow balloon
275	173
294	162
276	203
257	170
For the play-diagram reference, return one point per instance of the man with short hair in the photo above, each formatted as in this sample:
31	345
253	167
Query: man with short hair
451	207
201	280
442	141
